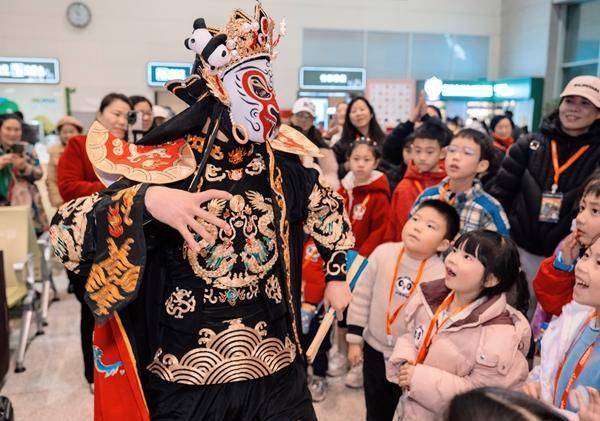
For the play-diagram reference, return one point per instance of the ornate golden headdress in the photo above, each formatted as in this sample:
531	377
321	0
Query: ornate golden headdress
242	39
249	37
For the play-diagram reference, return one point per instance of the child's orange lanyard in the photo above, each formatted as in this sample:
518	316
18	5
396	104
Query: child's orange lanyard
391	319
443	195
578	367
558	170
309	258
419	186
433	324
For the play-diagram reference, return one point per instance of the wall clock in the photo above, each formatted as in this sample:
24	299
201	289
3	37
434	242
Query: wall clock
79	14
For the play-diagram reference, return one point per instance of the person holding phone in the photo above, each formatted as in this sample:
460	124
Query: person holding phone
143	108
19	170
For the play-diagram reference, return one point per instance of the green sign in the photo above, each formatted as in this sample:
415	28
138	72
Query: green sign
29	70
159	73
333	78
517	89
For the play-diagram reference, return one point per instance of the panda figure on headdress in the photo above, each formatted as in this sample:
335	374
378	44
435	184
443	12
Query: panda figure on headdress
211	49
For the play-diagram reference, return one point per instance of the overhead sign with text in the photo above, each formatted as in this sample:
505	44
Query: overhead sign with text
333	78
29	70
159	73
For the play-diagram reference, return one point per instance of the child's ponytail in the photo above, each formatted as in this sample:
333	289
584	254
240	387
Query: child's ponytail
519	296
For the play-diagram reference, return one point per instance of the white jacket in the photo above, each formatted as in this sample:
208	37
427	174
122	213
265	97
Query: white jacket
556	342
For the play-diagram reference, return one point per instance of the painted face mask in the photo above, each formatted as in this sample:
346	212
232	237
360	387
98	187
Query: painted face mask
254	110
235	65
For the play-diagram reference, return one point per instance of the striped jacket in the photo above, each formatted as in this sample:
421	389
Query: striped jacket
476	208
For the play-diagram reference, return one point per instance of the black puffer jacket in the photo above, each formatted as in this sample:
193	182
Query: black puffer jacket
527	173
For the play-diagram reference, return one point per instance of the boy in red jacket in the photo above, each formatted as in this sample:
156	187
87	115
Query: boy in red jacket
366	194
425	170
553	285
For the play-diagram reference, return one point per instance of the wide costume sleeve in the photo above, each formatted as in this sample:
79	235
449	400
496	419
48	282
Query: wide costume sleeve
327	223
102	237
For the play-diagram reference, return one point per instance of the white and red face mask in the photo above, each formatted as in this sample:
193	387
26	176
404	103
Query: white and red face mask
254	110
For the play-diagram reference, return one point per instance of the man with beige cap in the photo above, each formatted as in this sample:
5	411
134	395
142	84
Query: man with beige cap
66	128
540	179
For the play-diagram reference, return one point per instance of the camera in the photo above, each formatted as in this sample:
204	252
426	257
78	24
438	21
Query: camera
135	126
18	148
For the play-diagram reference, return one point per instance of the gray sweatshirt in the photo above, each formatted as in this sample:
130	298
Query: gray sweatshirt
367	311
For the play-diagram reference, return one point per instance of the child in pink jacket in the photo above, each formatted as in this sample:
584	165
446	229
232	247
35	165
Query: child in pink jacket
460	332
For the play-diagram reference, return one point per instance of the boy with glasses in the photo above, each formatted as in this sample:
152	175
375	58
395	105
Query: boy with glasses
467	157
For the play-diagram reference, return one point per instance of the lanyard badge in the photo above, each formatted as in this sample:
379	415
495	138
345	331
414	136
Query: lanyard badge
550	207
552	200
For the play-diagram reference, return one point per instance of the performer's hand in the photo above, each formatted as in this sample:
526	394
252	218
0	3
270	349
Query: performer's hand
355	354
177	209
338	296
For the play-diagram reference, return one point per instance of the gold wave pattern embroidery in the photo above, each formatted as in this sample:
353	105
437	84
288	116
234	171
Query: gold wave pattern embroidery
238	353
112	277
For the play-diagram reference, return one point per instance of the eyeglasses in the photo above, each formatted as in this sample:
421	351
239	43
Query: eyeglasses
467	151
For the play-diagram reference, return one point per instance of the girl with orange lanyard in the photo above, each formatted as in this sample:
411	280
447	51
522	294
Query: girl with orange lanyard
460	332
569	373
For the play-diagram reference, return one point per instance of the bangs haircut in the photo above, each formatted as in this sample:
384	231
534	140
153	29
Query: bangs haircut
498	255
432	130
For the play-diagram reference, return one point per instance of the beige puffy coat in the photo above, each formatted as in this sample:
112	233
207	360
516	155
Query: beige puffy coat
483	345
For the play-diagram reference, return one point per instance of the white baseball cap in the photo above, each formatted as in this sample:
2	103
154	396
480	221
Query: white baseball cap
587	87
159	111
304	104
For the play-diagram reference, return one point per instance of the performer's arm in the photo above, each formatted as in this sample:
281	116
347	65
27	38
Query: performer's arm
328	225
102	237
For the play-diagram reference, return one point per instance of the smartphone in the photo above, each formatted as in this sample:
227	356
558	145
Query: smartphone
18	148
135	126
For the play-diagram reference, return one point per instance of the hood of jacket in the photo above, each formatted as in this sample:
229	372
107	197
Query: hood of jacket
377	183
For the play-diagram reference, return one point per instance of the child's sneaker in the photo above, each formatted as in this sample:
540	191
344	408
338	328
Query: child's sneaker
318	388
338	365
354	378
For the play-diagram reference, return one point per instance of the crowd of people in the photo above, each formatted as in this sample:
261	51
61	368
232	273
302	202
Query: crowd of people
482	291
476	240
